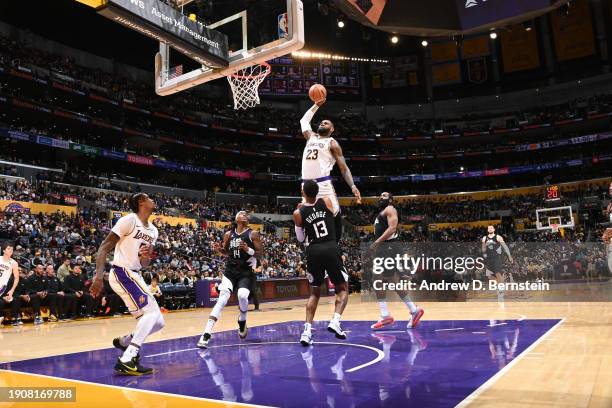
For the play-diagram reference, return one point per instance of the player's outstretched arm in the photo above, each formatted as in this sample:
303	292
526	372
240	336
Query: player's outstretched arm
105	248
307	118
336	151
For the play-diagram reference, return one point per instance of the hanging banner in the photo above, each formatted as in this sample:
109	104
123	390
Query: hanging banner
519	49
475	47
443	52
445	74
477	70
573	32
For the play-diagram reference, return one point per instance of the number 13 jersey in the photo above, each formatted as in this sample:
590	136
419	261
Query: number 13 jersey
318	222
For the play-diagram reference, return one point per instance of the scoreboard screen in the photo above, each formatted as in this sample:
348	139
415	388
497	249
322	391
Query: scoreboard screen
553	193
291	76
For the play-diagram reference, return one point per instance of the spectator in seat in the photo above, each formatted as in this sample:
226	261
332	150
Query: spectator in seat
64	270
27	297
156	291
38	287
110	302
55	294
74	284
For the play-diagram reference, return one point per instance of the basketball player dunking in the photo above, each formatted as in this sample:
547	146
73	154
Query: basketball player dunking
492	245
322	151
315	226
243	247
8	268
132	238
386	235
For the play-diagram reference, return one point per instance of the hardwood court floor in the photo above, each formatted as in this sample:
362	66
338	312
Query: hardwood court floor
571	367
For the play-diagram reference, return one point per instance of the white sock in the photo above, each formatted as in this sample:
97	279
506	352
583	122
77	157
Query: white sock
126	340
130	353
337	317
411	306
307	327
384	311
209	325
500	295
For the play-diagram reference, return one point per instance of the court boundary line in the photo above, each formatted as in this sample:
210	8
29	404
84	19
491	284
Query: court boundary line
119	387
491	381
380	353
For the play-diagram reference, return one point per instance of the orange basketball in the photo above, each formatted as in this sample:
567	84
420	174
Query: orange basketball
317	93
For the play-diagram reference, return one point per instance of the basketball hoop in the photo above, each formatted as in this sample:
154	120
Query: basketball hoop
554	228
245	84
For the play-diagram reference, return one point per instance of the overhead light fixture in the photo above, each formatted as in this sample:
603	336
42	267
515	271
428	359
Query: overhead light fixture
394	39
424	43
493	35
340	24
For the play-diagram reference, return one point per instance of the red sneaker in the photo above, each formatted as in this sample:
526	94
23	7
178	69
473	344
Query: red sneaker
383	322
415	318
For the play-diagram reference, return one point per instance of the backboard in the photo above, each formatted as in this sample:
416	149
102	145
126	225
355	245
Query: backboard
256	30
549	219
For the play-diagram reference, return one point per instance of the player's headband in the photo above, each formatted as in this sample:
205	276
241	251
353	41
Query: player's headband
240	212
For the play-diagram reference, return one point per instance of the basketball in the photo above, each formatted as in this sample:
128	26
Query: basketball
317	93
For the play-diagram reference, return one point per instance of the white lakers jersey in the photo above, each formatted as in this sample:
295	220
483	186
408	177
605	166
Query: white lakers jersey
133	234
317	160
6	271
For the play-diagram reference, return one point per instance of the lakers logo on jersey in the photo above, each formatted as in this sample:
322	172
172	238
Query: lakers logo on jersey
147	238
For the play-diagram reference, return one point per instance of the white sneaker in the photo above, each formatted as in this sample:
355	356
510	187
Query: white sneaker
334	327
204	339
306	339
1	319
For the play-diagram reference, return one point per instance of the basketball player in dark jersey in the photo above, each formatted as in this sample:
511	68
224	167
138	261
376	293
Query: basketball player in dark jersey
386	236
314	225
242	246
492	245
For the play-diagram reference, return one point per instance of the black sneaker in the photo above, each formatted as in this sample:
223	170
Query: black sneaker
38	320
132	367
242	329
204	339
117	344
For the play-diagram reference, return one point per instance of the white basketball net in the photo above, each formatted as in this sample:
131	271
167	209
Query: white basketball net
245	84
